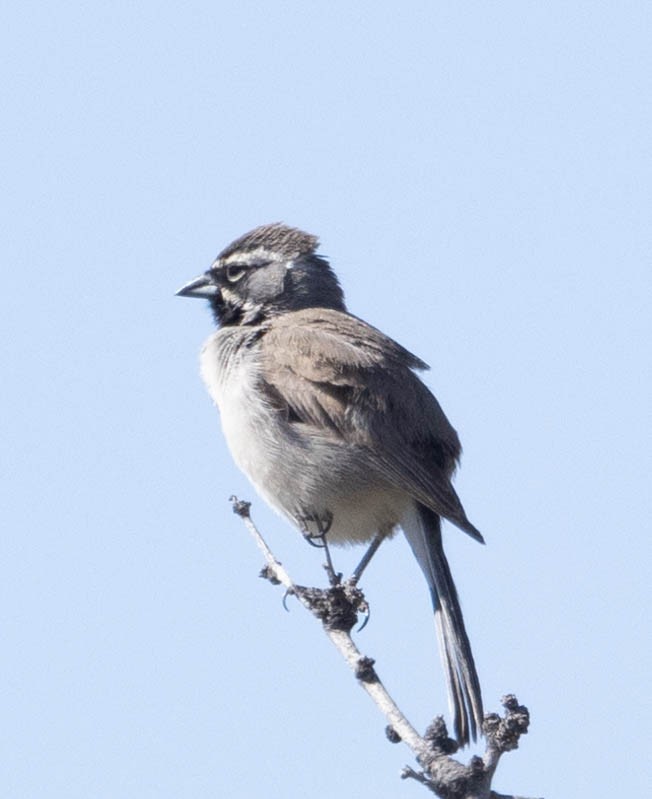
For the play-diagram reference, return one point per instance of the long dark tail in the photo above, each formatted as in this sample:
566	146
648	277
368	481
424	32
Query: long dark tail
423	531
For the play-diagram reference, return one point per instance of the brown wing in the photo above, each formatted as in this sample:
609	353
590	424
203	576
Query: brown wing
334	372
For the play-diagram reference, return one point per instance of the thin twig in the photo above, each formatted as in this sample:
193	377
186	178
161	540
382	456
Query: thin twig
342	641
337	609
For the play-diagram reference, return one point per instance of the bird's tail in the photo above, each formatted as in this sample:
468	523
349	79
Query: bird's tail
423	531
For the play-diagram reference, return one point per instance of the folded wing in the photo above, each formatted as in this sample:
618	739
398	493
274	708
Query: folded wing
332	371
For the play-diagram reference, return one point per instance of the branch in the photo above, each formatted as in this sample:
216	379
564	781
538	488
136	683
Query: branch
337	607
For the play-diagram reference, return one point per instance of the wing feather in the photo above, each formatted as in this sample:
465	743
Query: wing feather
334	372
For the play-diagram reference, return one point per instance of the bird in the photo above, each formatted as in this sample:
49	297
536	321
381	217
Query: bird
329	420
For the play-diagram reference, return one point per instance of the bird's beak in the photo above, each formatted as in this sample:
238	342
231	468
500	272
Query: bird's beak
202	287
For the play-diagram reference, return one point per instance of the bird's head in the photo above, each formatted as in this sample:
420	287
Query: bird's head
268	271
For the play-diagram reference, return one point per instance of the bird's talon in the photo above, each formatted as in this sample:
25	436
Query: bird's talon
289	592
366	616
316	540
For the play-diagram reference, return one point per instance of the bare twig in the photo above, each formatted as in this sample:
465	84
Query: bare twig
337	607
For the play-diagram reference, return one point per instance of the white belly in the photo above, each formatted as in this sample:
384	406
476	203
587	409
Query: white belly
299	471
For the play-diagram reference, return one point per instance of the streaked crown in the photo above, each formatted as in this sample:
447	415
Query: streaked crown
276	242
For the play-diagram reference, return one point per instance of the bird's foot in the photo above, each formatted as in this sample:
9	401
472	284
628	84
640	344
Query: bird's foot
314	529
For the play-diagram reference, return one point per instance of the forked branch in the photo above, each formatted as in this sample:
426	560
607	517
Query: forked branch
337	607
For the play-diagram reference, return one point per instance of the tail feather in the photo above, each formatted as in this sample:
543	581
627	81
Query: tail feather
423	531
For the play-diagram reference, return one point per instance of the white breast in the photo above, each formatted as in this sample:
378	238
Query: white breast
231	371
297	472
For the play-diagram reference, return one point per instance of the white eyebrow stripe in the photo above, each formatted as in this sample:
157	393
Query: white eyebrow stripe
261	254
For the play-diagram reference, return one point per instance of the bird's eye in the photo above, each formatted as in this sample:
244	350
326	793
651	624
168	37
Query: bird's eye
234	272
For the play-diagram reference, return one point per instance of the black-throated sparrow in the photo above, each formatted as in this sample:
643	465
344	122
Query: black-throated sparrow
327	418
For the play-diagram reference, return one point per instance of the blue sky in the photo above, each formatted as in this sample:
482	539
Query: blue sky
479	175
